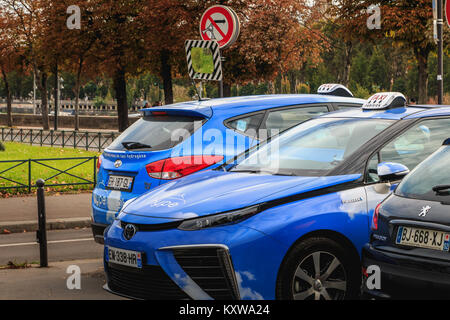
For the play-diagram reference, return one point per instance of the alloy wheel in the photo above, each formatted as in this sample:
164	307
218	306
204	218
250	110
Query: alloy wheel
319	276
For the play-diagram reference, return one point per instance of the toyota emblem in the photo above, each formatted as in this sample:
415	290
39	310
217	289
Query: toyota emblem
118	163
129	231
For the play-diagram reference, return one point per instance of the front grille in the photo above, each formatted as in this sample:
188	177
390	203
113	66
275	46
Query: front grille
152	227
211	269
148	283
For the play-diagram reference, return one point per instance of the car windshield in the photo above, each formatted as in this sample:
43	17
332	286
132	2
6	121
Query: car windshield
313	148
431	174
155	133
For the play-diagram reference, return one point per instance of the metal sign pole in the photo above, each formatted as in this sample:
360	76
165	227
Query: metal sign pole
440	76
221	81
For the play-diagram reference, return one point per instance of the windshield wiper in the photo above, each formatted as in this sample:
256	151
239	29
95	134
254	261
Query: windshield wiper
135	145
246	170
274	173
439	189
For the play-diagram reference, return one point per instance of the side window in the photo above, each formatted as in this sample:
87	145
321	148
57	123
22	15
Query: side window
372	169
247	125
347	106
284	119
414	145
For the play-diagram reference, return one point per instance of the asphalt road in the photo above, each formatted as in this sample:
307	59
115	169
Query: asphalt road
66	248
63	245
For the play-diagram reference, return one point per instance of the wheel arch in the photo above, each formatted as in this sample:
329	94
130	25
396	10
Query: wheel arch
324	233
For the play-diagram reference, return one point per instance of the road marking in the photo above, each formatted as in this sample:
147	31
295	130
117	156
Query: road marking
49	242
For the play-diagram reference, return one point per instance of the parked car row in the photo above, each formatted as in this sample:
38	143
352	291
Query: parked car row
276	197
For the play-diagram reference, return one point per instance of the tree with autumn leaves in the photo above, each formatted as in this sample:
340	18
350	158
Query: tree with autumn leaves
9	59
404	24
120	40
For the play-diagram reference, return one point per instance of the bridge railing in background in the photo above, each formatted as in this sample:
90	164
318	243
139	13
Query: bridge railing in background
95	141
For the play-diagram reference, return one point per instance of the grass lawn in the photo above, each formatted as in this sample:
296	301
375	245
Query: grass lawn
20	151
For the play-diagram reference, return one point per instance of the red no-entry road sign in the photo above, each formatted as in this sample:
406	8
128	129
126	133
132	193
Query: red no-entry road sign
221	24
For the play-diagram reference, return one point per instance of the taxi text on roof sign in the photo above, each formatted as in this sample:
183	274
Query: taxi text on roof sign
385	100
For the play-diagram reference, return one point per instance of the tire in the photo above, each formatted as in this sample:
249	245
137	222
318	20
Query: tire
339	272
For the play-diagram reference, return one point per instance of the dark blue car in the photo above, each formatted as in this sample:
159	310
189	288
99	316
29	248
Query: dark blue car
173	141
410	237
285	220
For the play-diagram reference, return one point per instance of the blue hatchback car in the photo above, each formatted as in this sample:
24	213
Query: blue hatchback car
173	141
285	220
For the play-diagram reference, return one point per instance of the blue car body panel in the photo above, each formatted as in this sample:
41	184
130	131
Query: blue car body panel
193	196
246	245
433	111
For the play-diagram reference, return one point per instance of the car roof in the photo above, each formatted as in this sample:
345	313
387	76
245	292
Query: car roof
245	104
409	112
443	110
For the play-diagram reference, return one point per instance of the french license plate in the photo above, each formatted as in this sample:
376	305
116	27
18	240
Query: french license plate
423	238
122	183
124	257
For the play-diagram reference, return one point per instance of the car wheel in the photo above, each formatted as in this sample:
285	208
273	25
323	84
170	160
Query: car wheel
319	269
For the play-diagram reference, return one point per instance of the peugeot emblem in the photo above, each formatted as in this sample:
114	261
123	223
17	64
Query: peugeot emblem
424	211
129	231
118	163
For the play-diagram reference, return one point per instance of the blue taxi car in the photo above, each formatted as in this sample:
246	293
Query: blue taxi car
173	141
286	220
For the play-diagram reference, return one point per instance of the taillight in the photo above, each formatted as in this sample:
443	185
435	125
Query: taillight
99	163
159	113
173	168
375	217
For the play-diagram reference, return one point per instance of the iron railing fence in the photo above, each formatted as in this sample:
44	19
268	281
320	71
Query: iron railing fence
30	164
94	141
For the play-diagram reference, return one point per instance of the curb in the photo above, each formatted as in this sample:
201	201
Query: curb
52	224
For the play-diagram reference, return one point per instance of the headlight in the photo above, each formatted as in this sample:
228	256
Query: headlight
219	219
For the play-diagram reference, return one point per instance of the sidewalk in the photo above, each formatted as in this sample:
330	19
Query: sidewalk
18	214
51	283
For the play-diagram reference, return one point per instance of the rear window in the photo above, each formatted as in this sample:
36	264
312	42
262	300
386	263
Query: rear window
431	173
153	133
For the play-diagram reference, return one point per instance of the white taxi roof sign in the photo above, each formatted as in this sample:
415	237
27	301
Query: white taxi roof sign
334	89
385	100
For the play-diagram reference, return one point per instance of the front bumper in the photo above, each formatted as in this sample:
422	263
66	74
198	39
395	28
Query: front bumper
106	204
232	262
98	230
405	276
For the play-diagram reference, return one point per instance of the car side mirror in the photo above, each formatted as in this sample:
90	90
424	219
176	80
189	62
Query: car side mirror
391	171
